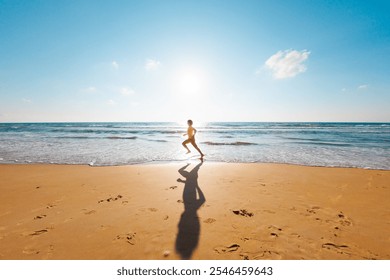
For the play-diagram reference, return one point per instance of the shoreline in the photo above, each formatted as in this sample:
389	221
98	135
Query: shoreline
173	162
203	211
356	145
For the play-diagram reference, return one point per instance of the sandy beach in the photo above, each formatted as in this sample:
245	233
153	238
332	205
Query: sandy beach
197	211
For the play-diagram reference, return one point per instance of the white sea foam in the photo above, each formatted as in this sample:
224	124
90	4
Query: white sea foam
317	144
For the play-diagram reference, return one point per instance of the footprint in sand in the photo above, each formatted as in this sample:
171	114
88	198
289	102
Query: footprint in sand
152	209
39	232
227	249
30	251
268	255
338	248
49	206
245	257
275	231
260	182
111	199
343	220
173	187
243	212
332	245
86	212
128	237
295	235
180	201
313	210
328	216
39	217
209	221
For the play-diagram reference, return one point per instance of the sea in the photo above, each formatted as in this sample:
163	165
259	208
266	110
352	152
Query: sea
363	145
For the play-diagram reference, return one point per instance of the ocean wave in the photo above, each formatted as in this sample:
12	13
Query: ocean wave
94	131
97	137
166	131
327	144
122	137
157	140
237	143
324	143
100	131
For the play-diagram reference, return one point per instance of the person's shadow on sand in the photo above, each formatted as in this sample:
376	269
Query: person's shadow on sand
189	226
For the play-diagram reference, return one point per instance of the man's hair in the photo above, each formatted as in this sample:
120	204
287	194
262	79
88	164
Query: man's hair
189	122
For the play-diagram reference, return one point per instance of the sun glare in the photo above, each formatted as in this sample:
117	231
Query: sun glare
190	90
190	81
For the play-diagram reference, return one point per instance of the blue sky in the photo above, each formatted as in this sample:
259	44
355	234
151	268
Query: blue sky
205	60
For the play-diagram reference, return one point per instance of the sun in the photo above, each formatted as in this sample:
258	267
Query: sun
190	81
190	92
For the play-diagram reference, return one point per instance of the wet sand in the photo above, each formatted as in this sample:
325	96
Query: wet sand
199	211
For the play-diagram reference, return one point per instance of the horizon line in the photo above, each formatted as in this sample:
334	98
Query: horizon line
32	122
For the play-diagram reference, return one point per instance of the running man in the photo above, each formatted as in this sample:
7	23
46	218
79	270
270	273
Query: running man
191	131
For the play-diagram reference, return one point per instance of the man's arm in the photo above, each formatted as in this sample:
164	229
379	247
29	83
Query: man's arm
183	172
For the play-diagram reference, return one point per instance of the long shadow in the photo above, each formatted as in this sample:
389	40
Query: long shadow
189	226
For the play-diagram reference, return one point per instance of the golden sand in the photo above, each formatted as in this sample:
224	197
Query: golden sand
199	211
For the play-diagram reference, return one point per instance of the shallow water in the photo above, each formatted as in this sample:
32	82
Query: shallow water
365	145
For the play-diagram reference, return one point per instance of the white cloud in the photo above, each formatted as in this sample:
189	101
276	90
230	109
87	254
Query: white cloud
115	64
25	100
362	86
152	65
111	102
288	63
126	91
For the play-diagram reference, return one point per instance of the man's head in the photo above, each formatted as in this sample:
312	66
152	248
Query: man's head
189	122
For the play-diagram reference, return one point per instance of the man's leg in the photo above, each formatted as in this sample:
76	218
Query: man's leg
185	146
197	148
